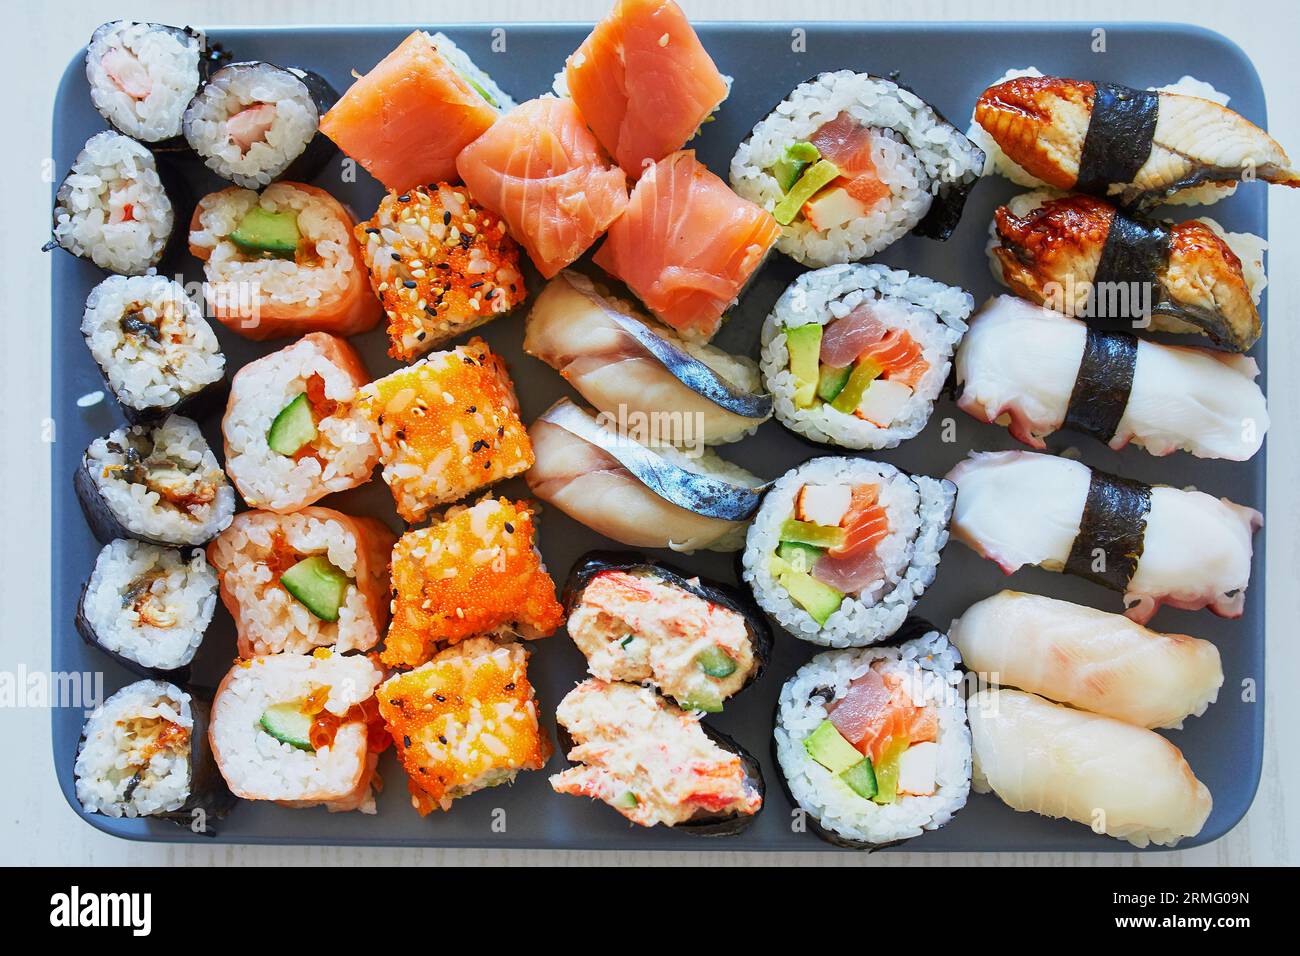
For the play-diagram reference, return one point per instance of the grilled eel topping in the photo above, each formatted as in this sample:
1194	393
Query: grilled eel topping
1136	146
1083	257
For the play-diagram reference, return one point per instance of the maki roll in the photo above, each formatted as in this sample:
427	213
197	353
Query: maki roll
440	264
475	572
1088	659
1127	782
642	621
843	548
618	78
144	753
291	435
155	349
148	607
1155	544
254	122
873	743
687	245
464	721
142	76
282	262
315	578
856	355
643	495
850	163
158	483
113	207
1091	260
426	83
301	730
628	746
447	427
540	169
1036	371
624	362
1140	147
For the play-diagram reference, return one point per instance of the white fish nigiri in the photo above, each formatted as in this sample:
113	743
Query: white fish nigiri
643	496
1093	660
1159	545
1020	365
626	363
1121	780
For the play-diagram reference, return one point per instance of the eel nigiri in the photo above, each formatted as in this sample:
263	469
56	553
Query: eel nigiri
1127	782
643	82
541	170
624	362
1140	146
641	495
1156	544
687	245
1089	659
1036	371
1086	258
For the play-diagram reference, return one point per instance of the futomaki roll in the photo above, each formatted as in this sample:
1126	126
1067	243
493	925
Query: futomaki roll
144	753
255	122
158	483
291	436
856	355
143	75
874	744
156	351
148	607
849	163
113	207
843	548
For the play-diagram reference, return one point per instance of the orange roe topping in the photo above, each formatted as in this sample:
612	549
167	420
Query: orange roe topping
473	573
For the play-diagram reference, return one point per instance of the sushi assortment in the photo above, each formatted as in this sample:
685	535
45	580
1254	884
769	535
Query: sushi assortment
415	631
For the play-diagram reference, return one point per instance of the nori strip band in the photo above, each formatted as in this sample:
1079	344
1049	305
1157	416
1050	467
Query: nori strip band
1114	522
1121	130
1102	387
1133	257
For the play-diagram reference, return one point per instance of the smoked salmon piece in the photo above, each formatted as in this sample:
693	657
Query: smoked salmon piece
644	82
541	170
407	119
687	244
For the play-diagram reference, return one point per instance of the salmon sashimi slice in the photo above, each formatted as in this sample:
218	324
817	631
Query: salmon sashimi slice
878	711
847	143
408	118
687	244
542	171
643	82
865	524
900	357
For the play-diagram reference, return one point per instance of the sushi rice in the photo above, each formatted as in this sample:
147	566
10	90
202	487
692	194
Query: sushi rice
149	604
113	208
151	341
929	667
134	756
932	313
913	149
918	509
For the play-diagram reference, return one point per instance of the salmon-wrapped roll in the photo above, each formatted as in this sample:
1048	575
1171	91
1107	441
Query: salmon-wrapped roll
282	262
315	578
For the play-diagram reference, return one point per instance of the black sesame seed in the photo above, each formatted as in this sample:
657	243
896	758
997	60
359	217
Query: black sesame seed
410	283
510	529
510	686
473	409
396	256
440	699
446	218
475	285
405	198
406	741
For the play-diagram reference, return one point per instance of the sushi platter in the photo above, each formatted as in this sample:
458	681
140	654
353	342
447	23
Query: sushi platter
466	439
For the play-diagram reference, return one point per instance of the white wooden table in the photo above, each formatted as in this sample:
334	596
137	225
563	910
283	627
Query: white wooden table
36	826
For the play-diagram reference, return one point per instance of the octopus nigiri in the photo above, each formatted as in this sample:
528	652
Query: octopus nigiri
1127	782
1086	258
1140	146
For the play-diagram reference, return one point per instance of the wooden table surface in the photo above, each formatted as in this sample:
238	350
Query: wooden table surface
37	826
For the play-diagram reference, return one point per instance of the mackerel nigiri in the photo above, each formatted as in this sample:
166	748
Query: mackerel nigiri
1140	146
1089	659
625	362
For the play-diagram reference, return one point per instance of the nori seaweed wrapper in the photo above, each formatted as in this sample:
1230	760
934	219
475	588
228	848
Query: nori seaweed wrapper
1114	521
1120	133
1134	255
1102	387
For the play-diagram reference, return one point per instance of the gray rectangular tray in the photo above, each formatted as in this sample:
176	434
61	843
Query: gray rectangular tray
947	64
